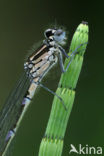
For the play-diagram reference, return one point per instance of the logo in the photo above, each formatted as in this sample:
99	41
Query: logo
85	150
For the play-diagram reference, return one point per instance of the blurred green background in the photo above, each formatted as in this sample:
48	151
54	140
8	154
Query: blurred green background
22	23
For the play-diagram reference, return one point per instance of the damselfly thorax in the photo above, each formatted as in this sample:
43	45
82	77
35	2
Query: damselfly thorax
46	56
41	61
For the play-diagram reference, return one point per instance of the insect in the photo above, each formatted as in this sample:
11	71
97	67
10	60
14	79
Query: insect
35	68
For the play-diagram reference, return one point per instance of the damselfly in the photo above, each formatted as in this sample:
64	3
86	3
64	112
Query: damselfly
35	68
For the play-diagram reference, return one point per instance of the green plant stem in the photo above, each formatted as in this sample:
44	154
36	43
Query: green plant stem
52	143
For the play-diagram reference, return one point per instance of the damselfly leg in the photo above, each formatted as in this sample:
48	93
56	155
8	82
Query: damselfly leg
52	92
71	57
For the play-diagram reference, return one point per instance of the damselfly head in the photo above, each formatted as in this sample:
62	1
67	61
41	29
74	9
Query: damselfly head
57	35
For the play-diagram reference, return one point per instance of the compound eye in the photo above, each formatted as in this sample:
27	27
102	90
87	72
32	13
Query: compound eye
59	32
48	33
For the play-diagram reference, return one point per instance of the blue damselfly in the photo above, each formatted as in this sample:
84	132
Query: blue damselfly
35	68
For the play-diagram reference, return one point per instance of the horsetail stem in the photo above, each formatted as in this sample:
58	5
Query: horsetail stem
52	143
